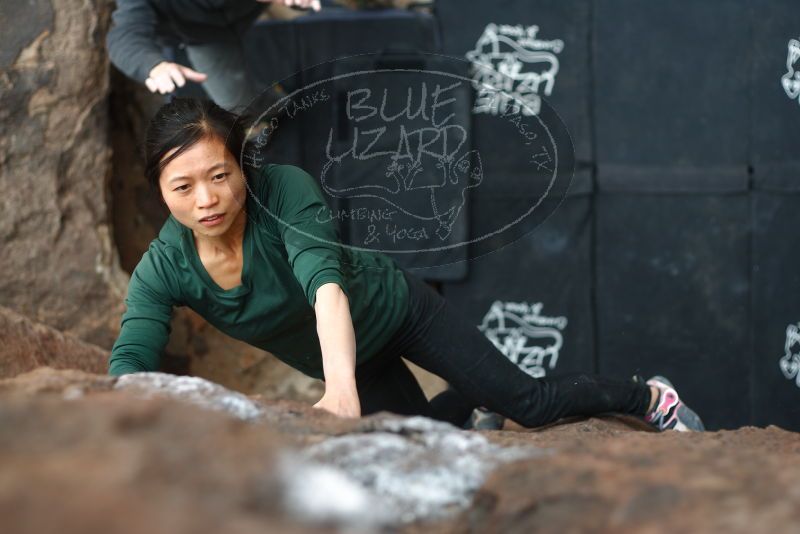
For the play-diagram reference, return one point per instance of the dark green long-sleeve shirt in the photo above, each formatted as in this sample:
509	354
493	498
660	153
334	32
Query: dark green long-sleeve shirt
288	254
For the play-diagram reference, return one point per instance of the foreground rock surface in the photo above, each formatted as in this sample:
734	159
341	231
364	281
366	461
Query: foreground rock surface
603	477
90	453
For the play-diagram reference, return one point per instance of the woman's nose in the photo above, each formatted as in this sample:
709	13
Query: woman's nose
205	197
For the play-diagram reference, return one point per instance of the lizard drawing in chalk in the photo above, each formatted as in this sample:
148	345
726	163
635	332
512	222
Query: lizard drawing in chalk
511	334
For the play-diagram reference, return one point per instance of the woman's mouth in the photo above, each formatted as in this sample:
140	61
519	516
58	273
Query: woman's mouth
212	220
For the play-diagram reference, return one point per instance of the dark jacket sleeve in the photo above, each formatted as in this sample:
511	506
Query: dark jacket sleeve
146	322
314	250
131	41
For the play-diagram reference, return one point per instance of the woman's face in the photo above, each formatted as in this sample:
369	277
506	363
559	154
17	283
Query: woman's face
204	188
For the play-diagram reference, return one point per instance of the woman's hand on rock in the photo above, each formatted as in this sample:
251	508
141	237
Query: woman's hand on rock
340	401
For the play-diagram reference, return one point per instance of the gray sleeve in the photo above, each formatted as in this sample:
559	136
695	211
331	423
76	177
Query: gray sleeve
131	41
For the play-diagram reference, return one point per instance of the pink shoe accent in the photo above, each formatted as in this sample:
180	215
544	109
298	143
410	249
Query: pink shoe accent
668	399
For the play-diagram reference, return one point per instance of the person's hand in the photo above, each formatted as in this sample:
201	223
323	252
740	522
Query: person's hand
340	401
166	75
298	4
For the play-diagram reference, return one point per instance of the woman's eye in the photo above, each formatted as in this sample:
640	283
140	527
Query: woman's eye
220	176
182	188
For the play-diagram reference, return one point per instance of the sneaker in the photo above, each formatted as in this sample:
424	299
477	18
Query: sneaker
669	412
483	419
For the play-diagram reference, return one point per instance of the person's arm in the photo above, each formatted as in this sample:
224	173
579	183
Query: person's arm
316	256
132	49
131	41
145	324
338	344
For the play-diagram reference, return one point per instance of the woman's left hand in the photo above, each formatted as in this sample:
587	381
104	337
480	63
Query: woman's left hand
340	401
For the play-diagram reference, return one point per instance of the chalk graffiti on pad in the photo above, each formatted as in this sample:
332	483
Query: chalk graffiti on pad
790	362
791	80
529	339
511	68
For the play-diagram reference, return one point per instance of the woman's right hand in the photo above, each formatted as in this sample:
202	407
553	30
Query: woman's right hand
341	401
166	75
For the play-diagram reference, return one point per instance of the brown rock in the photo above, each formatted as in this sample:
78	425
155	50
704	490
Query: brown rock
99	459
58	264
126	465
602	476
26	345
46	380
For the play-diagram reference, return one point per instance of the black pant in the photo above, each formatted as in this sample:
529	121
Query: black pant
438	339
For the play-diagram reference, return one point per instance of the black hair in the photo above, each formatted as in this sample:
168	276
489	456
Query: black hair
180	124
